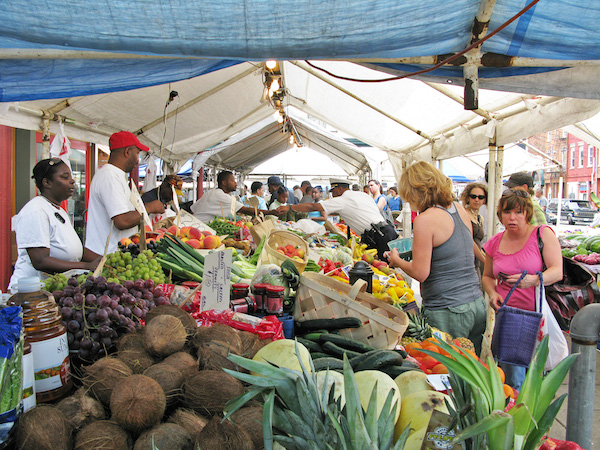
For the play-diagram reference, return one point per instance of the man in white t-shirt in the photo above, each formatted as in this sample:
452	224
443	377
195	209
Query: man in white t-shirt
220	202
357	209
109	204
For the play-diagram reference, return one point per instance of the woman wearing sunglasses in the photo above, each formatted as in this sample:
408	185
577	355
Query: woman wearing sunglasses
473	197
513	251
46	240
442	255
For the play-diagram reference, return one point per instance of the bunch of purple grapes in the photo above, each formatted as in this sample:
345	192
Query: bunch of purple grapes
96	312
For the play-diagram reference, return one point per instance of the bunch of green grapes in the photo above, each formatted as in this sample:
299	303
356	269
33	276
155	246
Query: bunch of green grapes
121	266
56	282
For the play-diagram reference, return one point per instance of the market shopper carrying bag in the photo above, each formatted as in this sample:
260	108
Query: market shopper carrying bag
512	252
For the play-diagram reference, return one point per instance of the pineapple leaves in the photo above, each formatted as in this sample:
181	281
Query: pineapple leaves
544	423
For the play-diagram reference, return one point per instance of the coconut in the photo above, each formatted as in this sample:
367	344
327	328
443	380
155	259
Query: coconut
213	356
191	421
186	319
224	435
169	378
165	436
137	403
250	419
81	409
138	359
164	336
219	332
131	340
250	343
103	434
43	427
182	361
209	390
102	376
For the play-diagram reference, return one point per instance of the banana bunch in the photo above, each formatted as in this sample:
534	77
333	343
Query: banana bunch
359	250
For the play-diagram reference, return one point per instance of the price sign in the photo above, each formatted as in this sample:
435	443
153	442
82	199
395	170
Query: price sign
215	281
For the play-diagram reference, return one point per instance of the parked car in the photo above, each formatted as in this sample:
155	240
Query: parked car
573	212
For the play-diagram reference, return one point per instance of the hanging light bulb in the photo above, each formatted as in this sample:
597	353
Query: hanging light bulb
276	115
271	64
291	139
279	118
274	85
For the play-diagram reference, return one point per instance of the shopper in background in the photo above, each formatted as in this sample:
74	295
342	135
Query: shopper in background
442	254
46	239
164	193
394	200
541	199
473	197
524	182
307	197
257	191
513	251
273	183
110	211
380	200
318	216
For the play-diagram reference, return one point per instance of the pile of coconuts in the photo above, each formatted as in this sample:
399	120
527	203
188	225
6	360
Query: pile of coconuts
163	389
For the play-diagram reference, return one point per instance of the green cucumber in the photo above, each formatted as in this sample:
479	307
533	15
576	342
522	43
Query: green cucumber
346	342
379	360
395	370
310	345
337	351
317	355
328	363
330	324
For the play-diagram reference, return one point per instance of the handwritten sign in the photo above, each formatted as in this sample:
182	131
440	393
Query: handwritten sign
215	283
138	204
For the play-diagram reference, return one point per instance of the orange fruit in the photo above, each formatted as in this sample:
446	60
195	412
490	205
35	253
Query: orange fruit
427	345
413	349
439	368
429	362
508	391
502	376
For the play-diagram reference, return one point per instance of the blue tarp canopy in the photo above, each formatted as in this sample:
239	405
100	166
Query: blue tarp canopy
104	66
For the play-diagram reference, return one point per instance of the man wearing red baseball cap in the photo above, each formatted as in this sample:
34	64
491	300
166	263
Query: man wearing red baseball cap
109	202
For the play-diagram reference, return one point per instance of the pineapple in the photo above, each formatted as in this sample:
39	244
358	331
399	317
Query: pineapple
418	328
465	343
407	340
304	417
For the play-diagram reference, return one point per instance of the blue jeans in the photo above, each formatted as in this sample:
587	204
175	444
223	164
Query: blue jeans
515	375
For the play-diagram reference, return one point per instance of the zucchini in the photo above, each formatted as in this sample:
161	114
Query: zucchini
328	363
317	355
329	324
310	345
338	352
402	353
346	342
381	359
354	362
395	370
315	337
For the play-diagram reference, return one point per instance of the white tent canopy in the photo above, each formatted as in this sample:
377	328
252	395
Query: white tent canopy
409	119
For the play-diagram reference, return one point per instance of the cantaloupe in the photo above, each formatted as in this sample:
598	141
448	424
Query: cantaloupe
365	381
333	377
282	353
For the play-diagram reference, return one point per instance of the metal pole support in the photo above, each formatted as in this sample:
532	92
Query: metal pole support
585	328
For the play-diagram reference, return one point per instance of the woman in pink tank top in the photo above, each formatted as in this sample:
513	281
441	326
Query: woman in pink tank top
513	251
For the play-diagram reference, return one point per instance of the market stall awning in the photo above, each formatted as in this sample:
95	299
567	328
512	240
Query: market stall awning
117	65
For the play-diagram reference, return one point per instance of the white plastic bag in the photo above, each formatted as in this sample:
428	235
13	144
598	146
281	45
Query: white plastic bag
558	349
61	146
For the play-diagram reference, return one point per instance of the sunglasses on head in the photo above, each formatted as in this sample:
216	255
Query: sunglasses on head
517	192
51	162
480	197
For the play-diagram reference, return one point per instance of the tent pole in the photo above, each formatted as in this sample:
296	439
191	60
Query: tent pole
45	136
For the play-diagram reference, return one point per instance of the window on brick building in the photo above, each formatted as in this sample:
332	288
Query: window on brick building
590	156
572	155
549	136
581	154
563	152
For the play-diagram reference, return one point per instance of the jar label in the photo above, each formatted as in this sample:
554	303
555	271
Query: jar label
28	385
52	369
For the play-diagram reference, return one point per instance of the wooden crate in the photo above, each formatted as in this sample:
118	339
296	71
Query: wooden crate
322	297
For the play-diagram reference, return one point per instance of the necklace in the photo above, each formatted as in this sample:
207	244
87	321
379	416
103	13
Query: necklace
57	206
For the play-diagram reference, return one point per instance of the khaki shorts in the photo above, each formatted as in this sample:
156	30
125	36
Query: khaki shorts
467	320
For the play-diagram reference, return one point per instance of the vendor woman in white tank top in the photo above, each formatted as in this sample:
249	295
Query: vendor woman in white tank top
443	254
46	240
